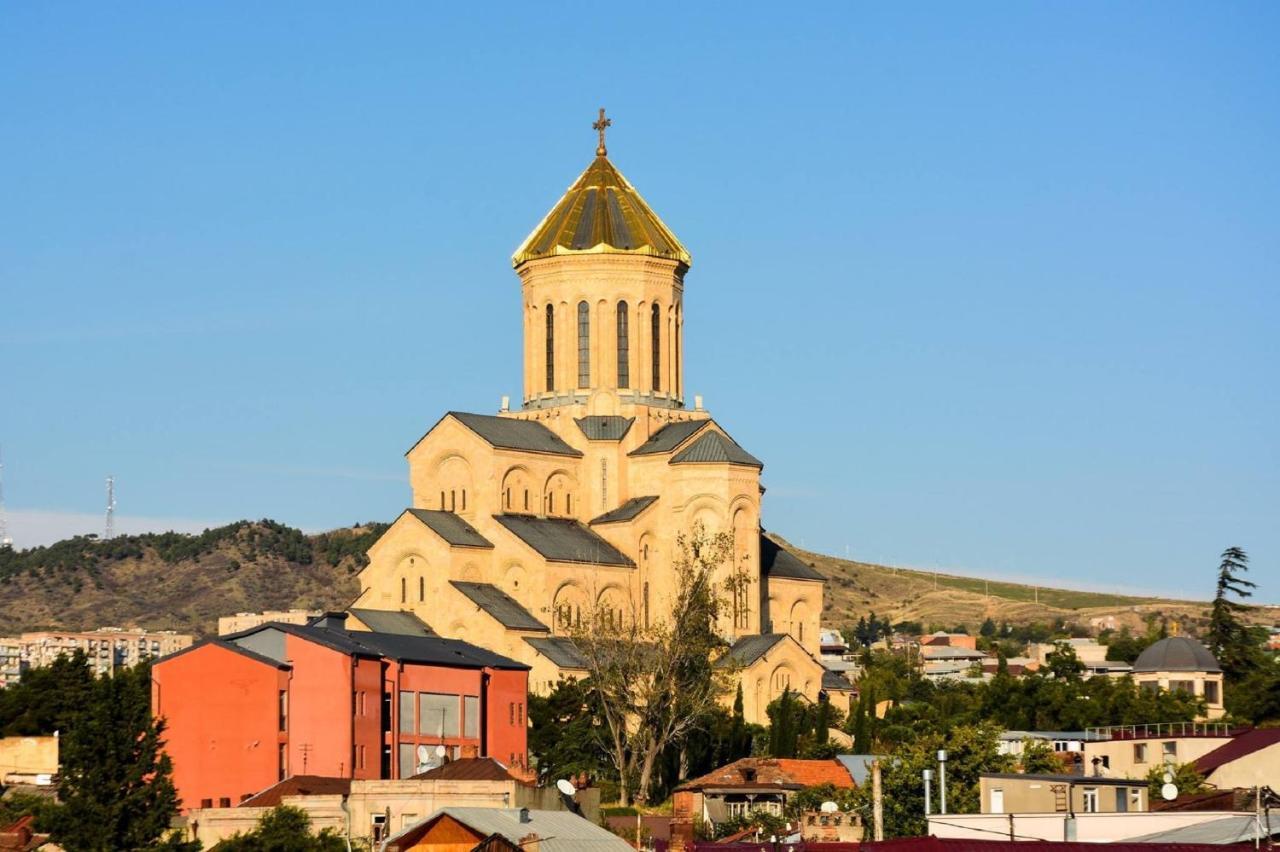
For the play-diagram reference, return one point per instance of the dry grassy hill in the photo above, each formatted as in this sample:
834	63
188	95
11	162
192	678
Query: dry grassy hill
855	589
185	582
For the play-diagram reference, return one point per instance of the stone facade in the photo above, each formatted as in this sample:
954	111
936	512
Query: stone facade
522	522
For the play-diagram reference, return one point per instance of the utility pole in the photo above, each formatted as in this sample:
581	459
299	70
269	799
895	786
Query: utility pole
5	541
877	801
111	508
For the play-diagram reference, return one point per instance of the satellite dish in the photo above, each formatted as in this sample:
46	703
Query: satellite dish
829	807
566	787
439	750
423	753
1168	777
1169	792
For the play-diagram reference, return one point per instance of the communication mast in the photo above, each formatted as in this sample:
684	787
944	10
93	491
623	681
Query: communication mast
5	541
111	507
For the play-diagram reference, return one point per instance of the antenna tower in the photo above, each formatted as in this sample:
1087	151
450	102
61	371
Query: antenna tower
111	507
5	541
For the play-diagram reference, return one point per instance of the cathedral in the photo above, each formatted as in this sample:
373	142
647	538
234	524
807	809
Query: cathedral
523	520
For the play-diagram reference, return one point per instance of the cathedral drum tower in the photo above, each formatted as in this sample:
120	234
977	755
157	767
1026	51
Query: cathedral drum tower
523	520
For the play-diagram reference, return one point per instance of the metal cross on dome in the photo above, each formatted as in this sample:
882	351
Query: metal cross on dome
599	126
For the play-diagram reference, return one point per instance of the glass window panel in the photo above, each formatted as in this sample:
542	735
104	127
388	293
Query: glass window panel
584	345
551	348
471	717
624	348
655	344
406	712
408	759
437	714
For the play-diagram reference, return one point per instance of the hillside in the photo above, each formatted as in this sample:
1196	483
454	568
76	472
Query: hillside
184	582
179	581
856	589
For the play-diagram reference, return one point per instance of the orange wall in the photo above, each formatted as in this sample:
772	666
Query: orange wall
508	742
320	721
368	719
220	708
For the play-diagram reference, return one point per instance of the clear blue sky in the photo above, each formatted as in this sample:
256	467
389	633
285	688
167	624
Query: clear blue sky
1010	273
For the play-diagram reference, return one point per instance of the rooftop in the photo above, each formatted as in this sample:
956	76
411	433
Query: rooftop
563	540
505	609
1239	746
1176	654
451	527
773	772
557	831
468	769
298	785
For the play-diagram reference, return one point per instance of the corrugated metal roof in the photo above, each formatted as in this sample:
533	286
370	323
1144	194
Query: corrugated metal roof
504	608
559	650
601	212
389	621
557	831
777	561
451	527
626	512
601	427
512	434
748	649
1237	747
563	540
669	437
715	447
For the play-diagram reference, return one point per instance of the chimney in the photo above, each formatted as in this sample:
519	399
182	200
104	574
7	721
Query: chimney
697	402
330	621
524	815
506	404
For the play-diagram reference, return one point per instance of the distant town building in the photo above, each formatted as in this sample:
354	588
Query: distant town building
951	640
1131	751
28	760
250	709
1088	650
1012	793
248	620
1181	664
107	649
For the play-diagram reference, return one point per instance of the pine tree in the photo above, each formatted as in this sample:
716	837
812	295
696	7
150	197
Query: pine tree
117	786
860	739
1228	635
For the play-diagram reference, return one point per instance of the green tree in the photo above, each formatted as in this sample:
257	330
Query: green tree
1229	637
1063	663
48	698
1185	778
988	629
283	829
562	732
1038	758
117	789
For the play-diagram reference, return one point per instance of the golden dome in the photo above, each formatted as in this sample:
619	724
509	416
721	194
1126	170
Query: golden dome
601	213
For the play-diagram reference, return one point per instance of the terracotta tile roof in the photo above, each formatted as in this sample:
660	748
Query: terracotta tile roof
1239	746
468	769
298	785
773	772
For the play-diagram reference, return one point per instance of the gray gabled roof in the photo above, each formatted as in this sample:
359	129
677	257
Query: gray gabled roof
748	649
602	427
1237	828
715	447
432	650
836	681
509	433
626	512
393	621
777	561
559	650
669	437
505	609
557	831
450	527
563	540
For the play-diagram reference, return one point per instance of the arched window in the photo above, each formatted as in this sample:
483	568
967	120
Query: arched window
584	345
506	499
655	343
624	348
551	348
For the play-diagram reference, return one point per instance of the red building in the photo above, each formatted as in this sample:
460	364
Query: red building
247	710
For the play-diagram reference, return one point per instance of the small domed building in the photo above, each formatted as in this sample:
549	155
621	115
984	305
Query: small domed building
1182	663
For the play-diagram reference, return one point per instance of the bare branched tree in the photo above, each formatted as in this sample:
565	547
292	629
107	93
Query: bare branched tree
655	683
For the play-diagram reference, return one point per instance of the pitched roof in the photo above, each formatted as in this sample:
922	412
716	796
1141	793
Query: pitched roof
669	437
773	772
563	540
950	652
558	831
1176	654
505	609
559	650
508	433
467	769
451	527
298	785
747	649
393	621
226	645
626	512
1237	747
777	561
601	213
834	680
602	427
1237	828
429	650
715	448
